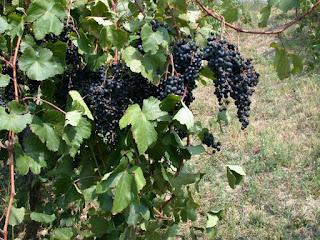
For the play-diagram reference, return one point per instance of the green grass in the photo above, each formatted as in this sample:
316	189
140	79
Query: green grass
280	152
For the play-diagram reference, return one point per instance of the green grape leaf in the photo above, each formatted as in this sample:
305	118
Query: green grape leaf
223	116
138	178
39	64
185	179
62	234
286	5
13	121
181	5
212	220
16	215
235	175
24	162
151	40
297	63
185	117
148	65
42	217
117	37
172	232
27	42
231	14
4	80
100	225
34	148
102	21
135	212
3	24
47	17
143	131
206	76
123	193
79	104
16	25
73	118
3	43
265	14
89	194
191	16
153	66
202	35
281	61
133	59
16	107
74	136
46	133
59	50
169	103
84	43
196	150
151	109
190	210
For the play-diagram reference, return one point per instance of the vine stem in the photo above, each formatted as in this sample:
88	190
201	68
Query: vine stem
172	64
12	184
11	142
14	69
6	61
114	8
214	14
45	101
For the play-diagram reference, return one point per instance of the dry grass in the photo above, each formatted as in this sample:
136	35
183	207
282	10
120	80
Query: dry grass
280	151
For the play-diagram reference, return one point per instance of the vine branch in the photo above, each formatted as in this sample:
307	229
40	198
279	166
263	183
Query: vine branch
13	64
45	101
214	14
5	60
14	69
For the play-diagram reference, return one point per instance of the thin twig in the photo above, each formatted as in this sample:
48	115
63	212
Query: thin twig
11	142
172	64
6	61
12	184
95	161
185	92
113	5
281	29
45	101
14	69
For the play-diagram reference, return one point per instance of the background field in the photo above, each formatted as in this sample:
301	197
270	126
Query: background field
280	151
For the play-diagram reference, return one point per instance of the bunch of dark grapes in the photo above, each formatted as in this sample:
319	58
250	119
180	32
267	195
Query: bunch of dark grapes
139	88
187	62
2	101
73	65
105	97
156	25
182	133
236	77
108	93
171	85
209	140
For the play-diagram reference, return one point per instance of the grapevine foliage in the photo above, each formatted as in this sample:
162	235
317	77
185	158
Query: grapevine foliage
95	116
